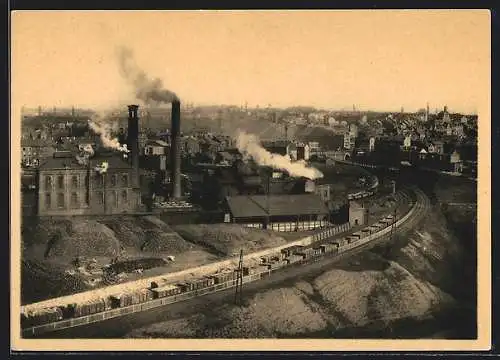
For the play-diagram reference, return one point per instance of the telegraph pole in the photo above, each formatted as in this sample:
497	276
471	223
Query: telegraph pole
238	295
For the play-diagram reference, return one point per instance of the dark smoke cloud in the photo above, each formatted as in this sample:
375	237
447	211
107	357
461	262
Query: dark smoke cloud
151	91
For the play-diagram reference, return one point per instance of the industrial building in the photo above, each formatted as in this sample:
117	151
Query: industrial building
67	187
278	212
97	183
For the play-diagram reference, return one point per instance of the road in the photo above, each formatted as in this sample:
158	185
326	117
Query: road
119	327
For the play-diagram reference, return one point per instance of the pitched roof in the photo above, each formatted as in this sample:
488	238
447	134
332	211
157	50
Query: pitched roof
114	162
279	205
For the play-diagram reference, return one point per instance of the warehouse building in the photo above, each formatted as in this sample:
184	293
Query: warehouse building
278	212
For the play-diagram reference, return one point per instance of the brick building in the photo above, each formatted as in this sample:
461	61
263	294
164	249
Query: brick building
67	187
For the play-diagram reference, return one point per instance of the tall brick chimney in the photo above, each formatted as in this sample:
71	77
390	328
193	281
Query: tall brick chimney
175	149
133	140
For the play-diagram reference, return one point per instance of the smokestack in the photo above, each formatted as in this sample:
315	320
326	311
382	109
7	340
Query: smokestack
175	149
133	140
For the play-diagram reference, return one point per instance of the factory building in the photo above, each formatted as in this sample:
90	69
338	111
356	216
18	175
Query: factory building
92	183
68	187
277	212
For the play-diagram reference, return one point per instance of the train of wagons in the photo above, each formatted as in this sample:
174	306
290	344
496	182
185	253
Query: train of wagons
206	284
366	192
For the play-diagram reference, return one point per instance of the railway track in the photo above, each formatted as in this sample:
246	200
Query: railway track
119	326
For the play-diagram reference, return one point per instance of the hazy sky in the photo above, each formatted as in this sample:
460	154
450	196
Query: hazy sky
334	59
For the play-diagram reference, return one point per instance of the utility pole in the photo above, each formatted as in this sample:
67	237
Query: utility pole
268	190
238	295
393	225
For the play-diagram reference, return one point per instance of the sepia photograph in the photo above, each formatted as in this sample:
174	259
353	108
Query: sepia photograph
251	180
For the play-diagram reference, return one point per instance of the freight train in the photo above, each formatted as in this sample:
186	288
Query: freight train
183	290
370	191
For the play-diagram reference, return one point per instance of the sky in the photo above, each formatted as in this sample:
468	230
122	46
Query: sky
376	60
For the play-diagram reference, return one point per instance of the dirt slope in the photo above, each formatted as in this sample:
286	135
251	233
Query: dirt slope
405	289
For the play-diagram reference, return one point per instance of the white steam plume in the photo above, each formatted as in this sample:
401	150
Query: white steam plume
104	129
149	90
101	169
249	146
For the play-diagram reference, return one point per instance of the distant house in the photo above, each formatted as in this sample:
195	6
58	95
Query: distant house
314	147
349	141
371	144
303	152
191	145
436	147
33	151
458	130
156	147
422	154
456	161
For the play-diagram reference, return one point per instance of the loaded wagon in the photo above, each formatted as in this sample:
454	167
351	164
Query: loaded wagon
165	290
358	235
89	307
41	317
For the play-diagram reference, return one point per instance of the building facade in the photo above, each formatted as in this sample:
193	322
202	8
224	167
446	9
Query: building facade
66	187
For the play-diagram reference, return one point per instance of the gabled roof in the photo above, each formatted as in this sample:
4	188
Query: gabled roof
279	205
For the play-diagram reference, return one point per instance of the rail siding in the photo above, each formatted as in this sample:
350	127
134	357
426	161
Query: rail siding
185	296
197	271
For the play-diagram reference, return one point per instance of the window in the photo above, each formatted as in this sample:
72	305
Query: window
48	183
113	180
60	182
74	199
115	199
74	181
125	180
124	196
99	197
48	201
60	200
99	180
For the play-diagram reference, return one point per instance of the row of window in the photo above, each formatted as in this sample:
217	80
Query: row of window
74	199
75	181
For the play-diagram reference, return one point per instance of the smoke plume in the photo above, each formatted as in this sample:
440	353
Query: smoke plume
249	146
86	152
151	91
104	129
101	169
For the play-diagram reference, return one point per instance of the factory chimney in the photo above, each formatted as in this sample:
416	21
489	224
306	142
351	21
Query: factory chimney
175	153
133	140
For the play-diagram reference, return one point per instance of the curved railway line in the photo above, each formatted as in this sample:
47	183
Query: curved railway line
119	326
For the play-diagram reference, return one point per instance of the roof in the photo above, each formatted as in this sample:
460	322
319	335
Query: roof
114	162
279	205
36	143
157	143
